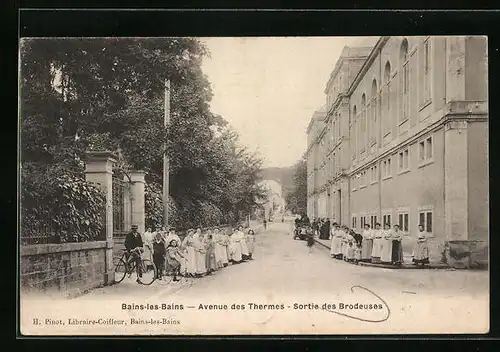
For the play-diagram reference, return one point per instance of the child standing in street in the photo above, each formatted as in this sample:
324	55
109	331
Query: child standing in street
159	254
310	240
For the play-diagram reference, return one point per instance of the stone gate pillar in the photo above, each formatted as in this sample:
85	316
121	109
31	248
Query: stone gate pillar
137	196
99	170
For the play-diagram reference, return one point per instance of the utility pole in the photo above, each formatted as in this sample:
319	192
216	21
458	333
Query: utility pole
166	166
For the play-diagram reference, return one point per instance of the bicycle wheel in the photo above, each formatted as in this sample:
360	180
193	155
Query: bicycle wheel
120	269
148	270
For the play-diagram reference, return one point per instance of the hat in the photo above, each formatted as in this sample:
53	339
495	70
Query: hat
135	227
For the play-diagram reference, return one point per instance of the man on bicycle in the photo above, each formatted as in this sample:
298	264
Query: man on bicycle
134	248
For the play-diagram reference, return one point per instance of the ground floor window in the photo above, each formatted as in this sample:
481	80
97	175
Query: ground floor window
363	221
404	221
386	219
354	222
425	219
373	221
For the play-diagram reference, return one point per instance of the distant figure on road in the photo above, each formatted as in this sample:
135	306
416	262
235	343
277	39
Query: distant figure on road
310	240
265	223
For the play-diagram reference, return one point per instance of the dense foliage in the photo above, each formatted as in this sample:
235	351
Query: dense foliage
81	94
296	201
59	206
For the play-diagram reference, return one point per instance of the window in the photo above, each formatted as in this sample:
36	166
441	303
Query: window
426	94
354	131
403	158
354	220
405	81
373	174
362	134
386	168
363	221
425	151
374	113
354	182
373	221
386	219
362	179
386	116
425	219
404	221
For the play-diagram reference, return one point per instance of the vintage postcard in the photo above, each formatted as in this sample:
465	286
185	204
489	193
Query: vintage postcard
254	186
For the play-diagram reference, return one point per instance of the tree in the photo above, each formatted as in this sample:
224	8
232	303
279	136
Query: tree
296	201
81	94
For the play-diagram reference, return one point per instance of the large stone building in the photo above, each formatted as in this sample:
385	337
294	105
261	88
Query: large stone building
404	138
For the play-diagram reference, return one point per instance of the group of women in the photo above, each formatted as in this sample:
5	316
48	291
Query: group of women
376	245
200	253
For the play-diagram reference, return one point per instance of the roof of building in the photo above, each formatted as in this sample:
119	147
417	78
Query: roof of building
358	48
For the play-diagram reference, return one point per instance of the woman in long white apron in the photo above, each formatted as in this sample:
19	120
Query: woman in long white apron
386	245
217	238
243	243
367	244
235	248
200	251
421	249
377	242
188	246
334	246
147	240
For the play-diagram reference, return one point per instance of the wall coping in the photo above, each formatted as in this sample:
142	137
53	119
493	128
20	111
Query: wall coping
36	249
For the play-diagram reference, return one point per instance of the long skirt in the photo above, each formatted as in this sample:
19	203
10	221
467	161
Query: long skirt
244	248
229	252
235	251
224	250
421	252
376	250
191	261
201	266
397	252
385	250
336	246
366	249
357	253
350	251
251	245
218	255
210	262
148	253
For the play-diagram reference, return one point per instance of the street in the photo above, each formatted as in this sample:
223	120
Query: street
284	272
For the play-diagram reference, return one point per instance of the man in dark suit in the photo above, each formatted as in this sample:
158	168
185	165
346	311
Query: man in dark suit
134	248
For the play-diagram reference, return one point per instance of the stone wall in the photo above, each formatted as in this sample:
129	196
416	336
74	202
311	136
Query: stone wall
69	269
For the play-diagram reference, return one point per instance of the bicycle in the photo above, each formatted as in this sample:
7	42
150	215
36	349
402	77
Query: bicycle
148	269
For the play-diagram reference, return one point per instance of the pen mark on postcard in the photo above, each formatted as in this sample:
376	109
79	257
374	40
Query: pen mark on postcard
364	319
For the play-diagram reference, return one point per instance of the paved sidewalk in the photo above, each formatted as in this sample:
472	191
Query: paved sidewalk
407	260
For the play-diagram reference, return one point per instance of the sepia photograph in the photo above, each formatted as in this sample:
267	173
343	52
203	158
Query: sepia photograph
180	186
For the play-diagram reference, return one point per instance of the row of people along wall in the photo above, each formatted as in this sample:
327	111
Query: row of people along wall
200	253
380	246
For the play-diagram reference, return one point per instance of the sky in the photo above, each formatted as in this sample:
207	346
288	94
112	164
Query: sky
268	89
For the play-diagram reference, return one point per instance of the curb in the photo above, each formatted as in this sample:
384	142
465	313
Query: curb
389	266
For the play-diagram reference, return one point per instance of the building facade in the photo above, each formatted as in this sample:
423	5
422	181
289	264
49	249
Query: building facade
404	139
